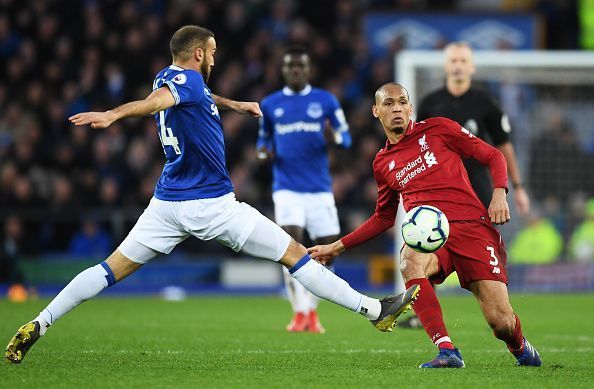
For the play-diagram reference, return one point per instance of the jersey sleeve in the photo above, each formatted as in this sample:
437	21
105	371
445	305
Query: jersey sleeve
340	127
463	142
497	123
186	87
265	134
382	219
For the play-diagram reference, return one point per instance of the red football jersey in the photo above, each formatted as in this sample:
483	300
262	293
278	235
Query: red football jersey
426	168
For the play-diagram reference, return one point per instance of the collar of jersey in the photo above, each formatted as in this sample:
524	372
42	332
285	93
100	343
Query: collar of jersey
303	92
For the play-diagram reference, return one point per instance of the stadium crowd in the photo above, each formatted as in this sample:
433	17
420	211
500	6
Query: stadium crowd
66	188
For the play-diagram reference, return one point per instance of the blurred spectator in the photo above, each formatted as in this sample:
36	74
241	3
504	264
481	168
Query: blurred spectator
555	160
91	241
10	251
538	242
581	244
63	220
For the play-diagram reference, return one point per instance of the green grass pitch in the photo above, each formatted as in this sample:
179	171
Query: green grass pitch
240	342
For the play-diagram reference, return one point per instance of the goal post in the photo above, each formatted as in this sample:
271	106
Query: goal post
538	90
491	65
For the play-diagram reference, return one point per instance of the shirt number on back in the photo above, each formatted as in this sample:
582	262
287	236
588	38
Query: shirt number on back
167	138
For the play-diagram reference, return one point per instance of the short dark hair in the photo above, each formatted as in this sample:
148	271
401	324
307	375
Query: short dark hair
296	50
387	84
187	39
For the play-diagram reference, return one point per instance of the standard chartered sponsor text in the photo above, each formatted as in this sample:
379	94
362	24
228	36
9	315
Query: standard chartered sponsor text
412	174
408	167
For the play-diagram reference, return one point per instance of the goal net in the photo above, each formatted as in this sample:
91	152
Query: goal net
549	98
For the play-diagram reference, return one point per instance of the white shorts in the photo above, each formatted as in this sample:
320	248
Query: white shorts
165	224
316	212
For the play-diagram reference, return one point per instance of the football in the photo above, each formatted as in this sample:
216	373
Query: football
425	228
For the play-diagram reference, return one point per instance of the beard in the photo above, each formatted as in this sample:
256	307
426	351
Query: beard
205	71
398	130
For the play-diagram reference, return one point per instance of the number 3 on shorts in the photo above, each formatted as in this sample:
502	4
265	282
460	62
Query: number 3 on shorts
167	138
494	261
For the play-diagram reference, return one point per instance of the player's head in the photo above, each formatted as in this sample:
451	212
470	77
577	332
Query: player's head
392	107
194	46
459	66
296	68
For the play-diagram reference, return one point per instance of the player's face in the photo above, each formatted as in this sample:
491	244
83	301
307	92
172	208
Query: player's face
459	66
296	70
208	60
393	109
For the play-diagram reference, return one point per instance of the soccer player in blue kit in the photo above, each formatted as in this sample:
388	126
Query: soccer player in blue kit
292	136
194	197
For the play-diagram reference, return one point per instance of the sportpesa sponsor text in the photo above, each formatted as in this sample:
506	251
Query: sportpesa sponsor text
299	126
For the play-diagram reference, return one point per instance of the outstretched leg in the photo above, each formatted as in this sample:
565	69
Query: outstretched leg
84	286
269	241
497	310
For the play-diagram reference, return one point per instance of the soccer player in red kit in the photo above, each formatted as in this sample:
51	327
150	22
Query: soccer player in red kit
422	161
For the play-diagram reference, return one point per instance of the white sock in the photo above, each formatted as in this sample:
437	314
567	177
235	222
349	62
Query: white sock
313	301
299	297
370	307
327	285
84	286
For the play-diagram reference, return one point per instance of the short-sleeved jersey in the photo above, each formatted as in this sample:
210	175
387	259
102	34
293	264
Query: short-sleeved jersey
476	112
426	168
192	136
292	126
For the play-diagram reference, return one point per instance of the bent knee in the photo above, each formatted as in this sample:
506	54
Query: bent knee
417	265
501	321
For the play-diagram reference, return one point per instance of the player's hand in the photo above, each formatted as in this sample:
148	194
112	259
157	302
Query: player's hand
498	209
95	119
325	253
522	201
265	155
249	107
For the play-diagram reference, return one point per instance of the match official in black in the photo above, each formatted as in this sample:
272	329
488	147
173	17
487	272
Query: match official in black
474	110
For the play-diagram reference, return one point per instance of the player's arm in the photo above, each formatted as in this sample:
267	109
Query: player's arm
499	128
249	107
338	124
520	196
467	145
265	142
158	100
382	220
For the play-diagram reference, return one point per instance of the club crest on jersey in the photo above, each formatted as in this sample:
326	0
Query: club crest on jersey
180	79
278	112
423	143
314	110
391	165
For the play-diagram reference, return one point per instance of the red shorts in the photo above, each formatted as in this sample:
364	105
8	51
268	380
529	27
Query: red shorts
475	251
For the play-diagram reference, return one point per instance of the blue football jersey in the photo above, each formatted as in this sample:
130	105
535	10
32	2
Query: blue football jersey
192	137
292	126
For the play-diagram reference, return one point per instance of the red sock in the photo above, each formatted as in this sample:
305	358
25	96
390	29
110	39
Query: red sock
515	342
428	310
